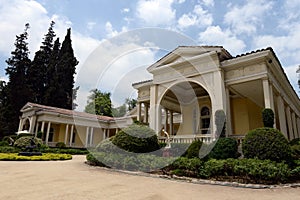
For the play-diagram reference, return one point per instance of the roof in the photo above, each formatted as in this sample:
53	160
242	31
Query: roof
63	111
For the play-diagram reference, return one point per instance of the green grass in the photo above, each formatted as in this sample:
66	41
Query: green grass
44	157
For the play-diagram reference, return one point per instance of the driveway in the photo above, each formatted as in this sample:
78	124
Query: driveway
72	180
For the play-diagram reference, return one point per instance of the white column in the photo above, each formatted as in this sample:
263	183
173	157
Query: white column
228	114
31	125
171	122
48	131
282	116
267	96
146	113
36	129
139	111
153	107
158	119
20	124
66	134
87	136
43	126
104	134
166	120
71	135
294	125
289	122
298	126
91	136
107	133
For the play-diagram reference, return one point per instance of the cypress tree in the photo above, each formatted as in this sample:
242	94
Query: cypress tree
66	70
38	72
17	90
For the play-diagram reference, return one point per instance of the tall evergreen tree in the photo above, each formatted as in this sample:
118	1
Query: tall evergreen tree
99	103
3	109
18	93
66	69
39	77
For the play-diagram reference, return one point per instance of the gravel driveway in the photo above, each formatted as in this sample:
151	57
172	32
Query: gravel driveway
72	180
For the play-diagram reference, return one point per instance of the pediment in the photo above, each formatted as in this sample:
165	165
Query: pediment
183	53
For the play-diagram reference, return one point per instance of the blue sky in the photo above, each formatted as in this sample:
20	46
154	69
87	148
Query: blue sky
239	26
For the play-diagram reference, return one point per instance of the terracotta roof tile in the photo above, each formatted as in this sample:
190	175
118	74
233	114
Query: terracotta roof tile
68	112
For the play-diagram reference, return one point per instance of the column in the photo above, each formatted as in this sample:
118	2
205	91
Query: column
87	136
139	111
267	94
48	131
104	134
66	134
289	122
166	120
294	125
31	125
228	114
107	133
282	116
20	124
36	129
158	120
171	122
91	136
146	113
298	126
43	126
71	135
153	107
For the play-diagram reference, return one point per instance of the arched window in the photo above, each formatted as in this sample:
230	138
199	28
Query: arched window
205	120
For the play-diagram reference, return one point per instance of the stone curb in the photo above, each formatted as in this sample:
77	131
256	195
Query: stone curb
203	181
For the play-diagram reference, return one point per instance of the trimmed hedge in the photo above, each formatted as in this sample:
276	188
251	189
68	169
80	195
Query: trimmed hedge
266	143
225	148
136	138
44	157
130	161
25	141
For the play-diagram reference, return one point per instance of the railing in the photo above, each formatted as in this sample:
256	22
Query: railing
188	138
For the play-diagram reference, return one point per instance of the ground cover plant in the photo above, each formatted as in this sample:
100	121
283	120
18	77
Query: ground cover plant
44	157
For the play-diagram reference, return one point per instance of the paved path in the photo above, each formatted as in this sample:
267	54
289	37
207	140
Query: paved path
72	180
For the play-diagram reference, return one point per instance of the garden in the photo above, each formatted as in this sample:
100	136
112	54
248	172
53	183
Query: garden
25	147
267	156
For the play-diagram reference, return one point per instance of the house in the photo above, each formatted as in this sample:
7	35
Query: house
189	85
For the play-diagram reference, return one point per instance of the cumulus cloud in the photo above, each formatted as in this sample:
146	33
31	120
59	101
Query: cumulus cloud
246	18
156	12
199	17
208	2
214	35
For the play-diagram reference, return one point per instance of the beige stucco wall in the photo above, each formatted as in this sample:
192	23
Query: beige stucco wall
245	116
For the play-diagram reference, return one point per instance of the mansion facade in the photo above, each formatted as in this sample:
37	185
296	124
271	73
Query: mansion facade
189	85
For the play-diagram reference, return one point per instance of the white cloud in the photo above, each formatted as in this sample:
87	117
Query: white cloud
246	18
208	2
198	17
125	10
214	35
90	25
156	12
292	76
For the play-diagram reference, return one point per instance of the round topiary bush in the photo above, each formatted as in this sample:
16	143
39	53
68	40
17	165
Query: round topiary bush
25	141
266	143
268	117
225	148
137	139
193	149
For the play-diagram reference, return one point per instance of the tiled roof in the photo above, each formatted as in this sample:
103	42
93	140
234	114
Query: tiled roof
252	52
68	112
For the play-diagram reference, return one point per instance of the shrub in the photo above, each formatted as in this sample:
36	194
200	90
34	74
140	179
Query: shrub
295	141
186	166
44	157
193	149
4	143
266	143
246	170
25	141
225	148
268	117
295	152
24	135
60	145
106	146
9	149
136	138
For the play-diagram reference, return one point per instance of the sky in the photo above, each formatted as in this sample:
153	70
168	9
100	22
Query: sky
115	41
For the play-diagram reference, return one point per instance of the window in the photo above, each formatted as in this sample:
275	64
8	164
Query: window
205	120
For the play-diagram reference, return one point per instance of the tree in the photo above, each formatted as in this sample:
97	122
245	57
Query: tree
38	71
66	69
99	103
119	111
18	92
3	109
131	103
